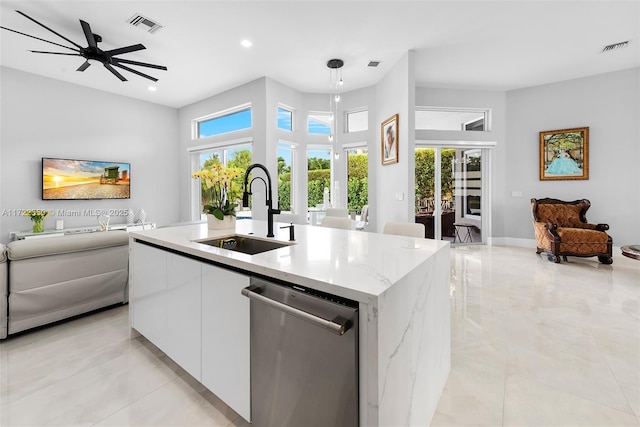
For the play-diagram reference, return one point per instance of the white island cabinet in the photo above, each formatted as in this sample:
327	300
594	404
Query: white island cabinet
400	285
148	271
225	338
167	303
184	319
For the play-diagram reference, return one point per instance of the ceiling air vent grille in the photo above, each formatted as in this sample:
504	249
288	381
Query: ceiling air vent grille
615	46
373	64
146	24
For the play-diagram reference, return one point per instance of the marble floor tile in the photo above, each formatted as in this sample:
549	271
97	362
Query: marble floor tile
534	343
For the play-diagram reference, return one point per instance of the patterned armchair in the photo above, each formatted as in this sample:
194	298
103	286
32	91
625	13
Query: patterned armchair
561	229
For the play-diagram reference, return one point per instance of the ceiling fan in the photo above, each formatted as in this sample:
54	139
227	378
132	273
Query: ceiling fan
93	52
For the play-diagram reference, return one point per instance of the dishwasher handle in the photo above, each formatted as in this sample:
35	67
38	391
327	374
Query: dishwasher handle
338	326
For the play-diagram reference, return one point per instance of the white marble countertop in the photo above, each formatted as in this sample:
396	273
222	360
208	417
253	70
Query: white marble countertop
353	264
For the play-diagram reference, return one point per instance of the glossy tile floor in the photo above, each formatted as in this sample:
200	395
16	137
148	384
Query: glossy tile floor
533	343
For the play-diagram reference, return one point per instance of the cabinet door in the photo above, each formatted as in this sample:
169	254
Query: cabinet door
147	293
226	362
184	321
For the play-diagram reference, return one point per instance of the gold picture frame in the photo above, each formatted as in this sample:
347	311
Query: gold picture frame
389	140
564	154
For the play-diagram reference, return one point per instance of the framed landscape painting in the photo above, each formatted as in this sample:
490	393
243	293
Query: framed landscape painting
564	154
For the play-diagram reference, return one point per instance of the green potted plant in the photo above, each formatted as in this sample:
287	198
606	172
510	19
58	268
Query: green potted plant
219	195
37	216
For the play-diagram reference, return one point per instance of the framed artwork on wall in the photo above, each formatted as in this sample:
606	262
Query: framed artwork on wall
389	140
564	154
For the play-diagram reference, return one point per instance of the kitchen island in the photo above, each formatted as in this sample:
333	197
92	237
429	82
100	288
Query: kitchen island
185	298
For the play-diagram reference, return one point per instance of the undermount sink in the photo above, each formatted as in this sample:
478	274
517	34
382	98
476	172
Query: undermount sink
244	244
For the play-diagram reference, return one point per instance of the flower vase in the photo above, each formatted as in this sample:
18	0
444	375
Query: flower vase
142	216
37	225
228	222
130	216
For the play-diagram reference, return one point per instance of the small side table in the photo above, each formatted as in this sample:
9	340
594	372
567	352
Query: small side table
631	251
466	236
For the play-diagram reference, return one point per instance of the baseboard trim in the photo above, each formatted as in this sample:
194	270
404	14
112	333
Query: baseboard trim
511	241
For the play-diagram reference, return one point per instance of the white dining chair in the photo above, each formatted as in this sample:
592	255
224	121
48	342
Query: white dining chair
337	212
409	229
345	222
364	218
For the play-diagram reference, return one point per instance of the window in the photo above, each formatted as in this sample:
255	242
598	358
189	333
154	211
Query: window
357	121
357	178
319	123
235	156
452	119
471	185
285	119
286	182
318	176
223	122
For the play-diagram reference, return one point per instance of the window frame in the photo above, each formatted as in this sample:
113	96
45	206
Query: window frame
292	146
288	109
195	165
486	114
195	131
355	111
321	147
346	148
330	117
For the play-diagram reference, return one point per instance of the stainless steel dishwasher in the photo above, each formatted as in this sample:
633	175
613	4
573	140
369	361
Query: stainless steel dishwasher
304	357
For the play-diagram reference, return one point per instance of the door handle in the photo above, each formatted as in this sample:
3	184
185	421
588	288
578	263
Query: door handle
338	326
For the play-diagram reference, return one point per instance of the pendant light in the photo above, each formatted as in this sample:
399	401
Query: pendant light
335	83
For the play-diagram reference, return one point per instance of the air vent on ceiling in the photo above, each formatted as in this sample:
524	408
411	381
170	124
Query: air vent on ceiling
373	64
615	46
146	24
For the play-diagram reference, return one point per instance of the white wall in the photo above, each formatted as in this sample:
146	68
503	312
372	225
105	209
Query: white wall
395	94
609	105
43	117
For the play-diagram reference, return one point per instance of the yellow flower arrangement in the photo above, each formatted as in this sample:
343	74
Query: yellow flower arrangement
219	194
36	215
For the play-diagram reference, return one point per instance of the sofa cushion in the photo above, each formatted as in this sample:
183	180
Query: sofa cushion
3	253
32	248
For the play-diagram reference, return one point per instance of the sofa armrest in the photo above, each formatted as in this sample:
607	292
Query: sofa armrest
32	248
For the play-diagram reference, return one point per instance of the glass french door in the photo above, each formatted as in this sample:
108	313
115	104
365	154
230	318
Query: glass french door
450	193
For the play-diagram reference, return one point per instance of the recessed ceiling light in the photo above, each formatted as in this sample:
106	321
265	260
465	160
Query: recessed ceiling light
152	88
246	43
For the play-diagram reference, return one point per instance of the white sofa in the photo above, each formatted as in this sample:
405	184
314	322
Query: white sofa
3	291
56	278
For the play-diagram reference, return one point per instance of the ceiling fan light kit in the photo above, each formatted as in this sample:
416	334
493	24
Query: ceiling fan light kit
93	53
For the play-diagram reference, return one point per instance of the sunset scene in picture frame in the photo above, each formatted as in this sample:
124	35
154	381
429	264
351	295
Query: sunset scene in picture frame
67	179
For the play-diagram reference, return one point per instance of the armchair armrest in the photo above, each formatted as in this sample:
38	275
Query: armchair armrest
552	229
598	227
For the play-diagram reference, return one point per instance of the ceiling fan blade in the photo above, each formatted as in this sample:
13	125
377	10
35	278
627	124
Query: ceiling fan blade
131	70
84	66
142	64
126	49
88	34
55	53
47	28
115	73
38	38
